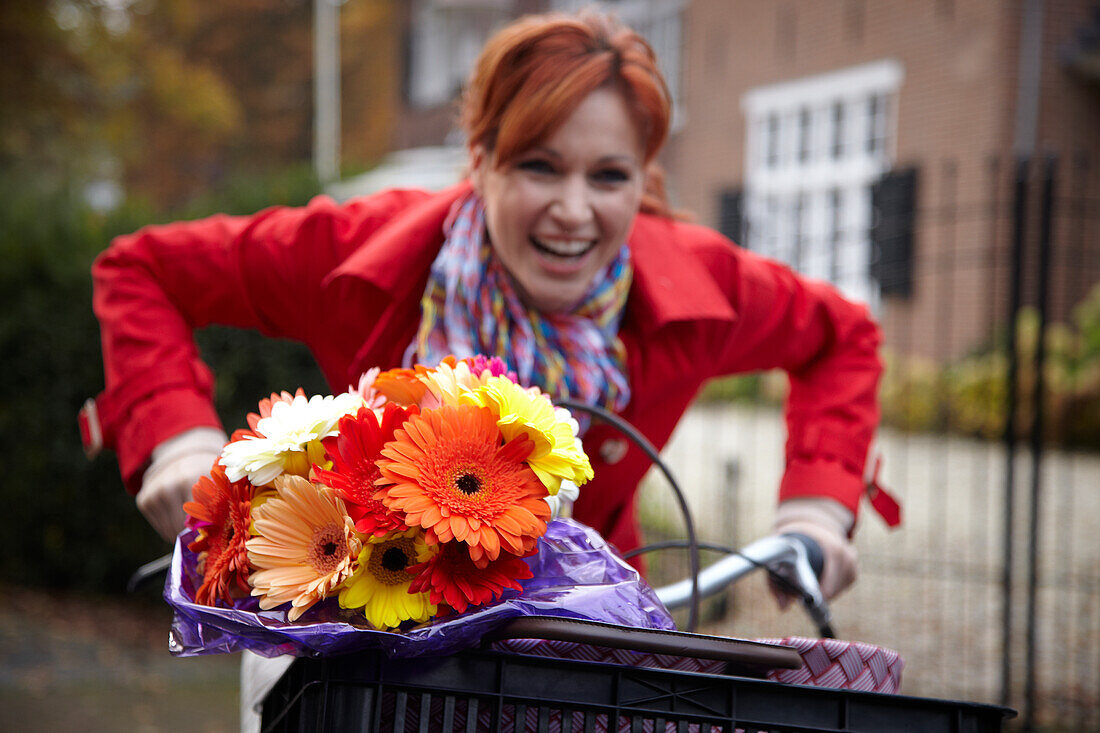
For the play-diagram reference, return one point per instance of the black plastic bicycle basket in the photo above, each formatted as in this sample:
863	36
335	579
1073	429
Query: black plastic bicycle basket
483	690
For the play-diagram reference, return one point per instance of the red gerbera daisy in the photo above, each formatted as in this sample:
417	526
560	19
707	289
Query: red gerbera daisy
452	476
451	577
242	433
224	511
354	453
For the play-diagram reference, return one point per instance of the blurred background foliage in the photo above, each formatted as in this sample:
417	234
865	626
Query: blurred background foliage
70	523
113	117
163	99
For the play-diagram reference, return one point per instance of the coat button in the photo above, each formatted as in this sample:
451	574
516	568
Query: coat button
613	450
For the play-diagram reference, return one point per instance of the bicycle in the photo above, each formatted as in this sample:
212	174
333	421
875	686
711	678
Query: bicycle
700	683
500	688
504	687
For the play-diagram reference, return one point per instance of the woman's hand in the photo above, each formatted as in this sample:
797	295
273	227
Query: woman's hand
176	465
827	522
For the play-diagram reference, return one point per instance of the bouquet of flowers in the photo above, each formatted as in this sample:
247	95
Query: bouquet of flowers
413	497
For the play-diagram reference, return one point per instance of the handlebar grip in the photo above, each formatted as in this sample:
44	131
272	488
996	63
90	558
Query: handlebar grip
813	551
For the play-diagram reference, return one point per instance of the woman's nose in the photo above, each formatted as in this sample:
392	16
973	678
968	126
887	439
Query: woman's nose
572	206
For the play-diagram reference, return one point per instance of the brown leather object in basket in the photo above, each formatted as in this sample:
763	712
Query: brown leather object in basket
742	656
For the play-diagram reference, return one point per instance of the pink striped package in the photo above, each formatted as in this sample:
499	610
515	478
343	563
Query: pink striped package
846	665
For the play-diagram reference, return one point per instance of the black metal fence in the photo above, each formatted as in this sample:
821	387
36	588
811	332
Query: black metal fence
1061	253
991	437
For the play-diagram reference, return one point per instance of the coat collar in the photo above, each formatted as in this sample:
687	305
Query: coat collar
404	245
669	284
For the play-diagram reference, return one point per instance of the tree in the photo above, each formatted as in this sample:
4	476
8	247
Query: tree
168	97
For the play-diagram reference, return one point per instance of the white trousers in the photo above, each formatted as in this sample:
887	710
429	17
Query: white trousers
258	676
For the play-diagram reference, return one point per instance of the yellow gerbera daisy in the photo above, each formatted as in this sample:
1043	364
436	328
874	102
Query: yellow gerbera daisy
380	583
557	454
305	548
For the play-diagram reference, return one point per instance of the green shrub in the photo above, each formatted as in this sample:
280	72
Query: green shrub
765	388
69	523
977	396
969	395
907	391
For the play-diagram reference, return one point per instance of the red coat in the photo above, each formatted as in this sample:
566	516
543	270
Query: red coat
347	280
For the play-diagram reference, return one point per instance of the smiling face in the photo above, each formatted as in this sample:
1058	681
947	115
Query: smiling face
558	213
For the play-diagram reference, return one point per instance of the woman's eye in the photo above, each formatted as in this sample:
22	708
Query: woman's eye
536	166
611	175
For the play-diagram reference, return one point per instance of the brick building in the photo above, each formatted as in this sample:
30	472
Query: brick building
795	110
788	115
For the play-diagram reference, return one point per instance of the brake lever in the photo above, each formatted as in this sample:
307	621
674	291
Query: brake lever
803	571
790	557
147	572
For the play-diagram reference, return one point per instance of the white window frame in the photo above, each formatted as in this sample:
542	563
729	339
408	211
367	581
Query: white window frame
794	172
446	38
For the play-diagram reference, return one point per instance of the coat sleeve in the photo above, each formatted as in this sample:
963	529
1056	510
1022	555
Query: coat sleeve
828	346
154	287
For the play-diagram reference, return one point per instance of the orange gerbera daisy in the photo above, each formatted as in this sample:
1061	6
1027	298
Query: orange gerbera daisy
223	511
354	473
454	476
401	386
242	433
306	546
451	577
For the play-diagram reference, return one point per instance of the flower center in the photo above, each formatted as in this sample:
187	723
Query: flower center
328	549
394	559
468	484
388	561
296	462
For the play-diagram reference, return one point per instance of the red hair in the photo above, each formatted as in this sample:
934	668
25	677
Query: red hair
533	73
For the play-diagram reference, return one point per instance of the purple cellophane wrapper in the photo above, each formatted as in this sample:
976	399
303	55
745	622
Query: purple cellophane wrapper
576	574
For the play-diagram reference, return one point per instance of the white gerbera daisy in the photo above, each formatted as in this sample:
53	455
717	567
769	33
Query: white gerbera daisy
289	438
561	503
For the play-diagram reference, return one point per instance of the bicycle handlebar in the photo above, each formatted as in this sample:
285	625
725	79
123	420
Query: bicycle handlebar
795	558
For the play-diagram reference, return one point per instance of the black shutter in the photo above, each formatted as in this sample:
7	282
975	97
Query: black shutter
731	222
893	210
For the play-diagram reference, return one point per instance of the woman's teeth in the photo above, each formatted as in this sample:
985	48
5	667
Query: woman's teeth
563	247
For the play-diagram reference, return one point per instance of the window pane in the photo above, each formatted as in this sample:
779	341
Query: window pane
838	129
874	124
773	141
834	219
771	226
804	135
800	231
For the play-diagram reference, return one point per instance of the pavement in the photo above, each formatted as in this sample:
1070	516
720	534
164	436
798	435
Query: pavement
101	665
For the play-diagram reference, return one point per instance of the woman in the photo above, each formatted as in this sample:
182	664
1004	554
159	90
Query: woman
553	255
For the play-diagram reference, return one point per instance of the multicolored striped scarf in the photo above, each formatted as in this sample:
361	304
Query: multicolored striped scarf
470	307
